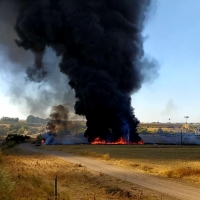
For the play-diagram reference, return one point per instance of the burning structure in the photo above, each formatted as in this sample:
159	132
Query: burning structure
101	48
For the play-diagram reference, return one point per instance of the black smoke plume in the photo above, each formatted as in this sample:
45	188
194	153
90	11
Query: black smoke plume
58	119
101	47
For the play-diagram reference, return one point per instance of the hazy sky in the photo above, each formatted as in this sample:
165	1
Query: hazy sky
173	39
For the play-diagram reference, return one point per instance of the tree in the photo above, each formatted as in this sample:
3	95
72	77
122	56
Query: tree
9	119
30	119
33	119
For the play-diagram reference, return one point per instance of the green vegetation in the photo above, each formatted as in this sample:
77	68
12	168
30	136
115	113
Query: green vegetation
23	127
16	129
33	119
9	119
20	128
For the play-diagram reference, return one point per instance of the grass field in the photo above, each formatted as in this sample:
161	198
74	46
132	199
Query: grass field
30	176
166	161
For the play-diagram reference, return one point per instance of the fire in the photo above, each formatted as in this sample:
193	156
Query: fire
98	141
120	141
141	142
43	141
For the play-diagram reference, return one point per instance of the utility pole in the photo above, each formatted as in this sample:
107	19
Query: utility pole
186	126
181	138
186	117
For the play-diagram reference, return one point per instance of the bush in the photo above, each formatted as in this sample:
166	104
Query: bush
20	131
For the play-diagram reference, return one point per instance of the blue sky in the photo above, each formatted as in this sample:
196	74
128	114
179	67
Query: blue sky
172	38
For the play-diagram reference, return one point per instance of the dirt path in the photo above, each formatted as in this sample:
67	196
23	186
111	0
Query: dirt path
172	188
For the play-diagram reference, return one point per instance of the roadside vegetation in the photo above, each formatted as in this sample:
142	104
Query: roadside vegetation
30	176
163	160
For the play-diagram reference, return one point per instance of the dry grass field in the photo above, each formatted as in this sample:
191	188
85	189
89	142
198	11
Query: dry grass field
166	161
30	176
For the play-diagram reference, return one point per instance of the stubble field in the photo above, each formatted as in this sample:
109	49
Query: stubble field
26	175
162	160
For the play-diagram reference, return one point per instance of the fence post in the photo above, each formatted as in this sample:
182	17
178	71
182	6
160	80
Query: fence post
56	188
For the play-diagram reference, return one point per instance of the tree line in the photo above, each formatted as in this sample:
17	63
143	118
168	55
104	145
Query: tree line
33	119
29	119
9	119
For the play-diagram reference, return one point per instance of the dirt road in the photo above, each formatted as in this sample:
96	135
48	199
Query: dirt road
172	188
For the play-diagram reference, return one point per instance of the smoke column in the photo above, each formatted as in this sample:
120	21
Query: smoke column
101	47
58	119
57	128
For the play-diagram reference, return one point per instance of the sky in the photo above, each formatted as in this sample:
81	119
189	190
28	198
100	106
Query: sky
172	38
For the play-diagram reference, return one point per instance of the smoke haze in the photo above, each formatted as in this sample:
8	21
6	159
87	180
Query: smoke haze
31	97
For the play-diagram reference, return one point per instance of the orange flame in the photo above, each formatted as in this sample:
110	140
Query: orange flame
120	141
141	142
43	141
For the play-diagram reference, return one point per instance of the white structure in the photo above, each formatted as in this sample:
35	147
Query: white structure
197	132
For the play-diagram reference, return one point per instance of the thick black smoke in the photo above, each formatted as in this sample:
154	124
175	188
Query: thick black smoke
101	47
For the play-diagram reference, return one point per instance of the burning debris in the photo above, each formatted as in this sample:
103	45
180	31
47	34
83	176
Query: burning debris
101	47
57	126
